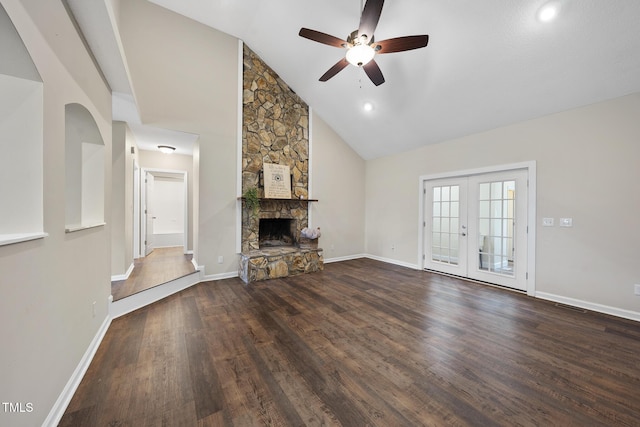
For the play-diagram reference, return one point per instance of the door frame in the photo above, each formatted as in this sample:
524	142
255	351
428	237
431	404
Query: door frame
143	203
530	167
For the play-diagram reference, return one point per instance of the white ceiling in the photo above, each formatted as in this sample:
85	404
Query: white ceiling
489	63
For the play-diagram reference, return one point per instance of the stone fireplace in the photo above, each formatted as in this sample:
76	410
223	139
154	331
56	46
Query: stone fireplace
275	129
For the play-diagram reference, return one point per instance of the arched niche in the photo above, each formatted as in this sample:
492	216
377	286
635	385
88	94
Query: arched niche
21	139
84	170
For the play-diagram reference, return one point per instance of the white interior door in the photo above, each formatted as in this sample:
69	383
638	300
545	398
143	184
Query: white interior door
149	213
476	227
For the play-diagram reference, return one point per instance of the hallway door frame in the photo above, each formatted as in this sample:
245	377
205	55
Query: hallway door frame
143	203
530	167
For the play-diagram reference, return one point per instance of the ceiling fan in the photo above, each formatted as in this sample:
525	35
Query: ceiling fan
361	45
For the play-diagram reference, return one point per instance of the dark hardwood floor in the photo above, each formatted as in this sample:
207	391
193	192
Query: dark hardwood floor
362	343
160	266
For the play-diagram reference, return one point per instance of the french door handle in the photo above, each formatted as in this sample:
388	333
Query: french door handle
463	234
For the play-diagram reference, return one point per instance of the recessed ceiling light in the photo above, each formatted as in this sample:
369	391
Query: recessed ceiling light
368	106
548	12
166	149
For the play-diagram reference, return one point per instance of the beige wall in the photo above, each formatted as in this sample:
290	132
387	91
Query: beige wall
185	77
49	285
337	181
587	168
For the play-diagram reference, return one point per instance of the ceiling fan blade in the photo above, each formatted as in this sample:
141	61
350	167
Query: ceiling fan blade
340	65
400	44
373	71
370	17
319	37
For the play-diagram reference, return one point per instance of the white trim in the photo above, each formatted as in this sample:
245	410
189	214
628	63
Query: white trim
530	166
239	147
219	276
344	258
58	409
143	205
149	296
600	308
310	172
74	228
10	239
124	276
394	261
136	209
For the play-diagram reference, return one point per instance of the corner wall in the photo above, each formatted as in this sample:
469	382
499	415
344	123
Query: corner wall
338	182
587	168
122	199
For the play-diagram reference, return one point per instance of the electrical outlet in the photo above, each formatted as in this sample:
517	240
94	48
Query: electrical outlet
393	247
547	222
566	222
636	289
220	259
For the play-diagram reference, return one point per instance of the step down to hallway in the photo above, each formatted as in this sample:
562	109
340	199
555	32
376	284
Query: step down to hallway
151	295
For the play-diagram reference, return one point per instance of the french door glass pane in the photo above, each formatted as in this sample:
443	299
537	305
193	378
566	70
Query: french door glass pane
496	223
445	244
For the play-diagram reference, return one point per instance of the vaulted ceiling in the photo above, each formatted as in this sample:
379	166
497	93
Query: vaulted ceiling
488	63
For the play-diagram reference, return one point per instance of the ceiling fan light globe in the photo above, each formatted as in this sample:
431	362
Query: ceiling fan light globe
360	55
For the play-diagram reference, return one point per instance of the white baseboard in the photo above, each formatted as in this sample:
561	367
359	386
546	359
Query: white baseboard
124	276
220	276
149	296
56	413
393	261
344	258
613	311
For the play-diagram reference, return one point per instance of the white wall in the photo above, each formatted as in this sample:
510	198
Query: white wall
21	106
588	169
337	181
49	285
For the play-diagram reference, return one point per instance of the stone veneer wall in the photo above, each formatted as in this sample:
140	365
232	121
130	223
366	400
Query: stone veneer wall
275	129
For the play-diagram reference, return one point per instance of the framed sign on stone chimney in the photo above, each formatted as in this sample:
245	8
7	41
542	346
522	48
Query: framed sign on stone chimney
277	182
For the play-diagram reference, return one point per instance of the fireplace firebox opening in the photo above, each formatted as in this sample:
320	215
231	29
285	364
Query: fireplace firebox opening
275	232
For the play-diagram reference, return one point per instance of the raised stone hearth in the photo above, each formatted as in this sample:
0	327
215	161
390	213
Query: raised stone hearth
273	263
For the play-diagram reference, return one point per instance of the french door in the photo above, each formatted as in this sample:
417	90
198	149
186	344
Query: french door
476	227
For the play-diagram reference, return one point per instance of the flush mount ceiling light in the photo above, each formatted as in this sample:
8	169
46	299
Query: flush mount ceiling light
548	12
166	149
367	106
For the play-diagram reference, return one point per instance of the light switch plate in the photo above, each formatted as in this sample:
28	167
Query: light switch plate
566	222
547	222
